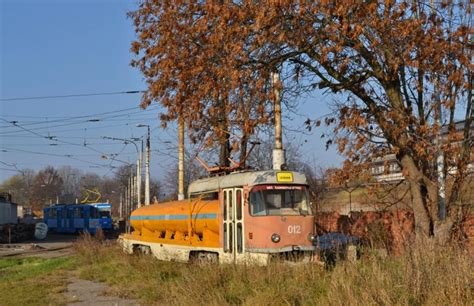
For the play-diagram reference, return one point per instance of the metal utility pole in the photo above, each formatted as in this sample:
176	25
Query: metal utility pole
278	152
180	158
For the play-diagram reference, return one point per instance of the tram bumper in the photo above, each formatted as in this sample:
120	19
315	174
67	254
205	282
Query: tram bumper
292	253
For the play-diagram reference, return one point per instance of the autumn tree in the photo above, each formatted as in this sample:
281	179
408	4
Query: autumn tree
193	74
71	178
46	189
397	68
19	186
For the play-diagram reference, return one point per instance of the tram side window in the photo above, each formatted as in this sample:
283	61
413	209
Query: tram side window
64	213
78	212
231	209
238	200
96	212
70	213
52	213
239	238
92	212
206	196
226	247
225	205
231	240
85	212
258	207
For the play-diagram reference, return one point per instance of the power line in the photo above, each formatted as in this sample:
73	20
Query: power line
15	133
55	155
73	95
74	120
6	169
79	117
53	138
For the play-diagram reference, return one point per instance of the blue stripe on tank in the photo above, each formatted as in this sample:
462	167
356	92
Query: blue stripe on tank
174	217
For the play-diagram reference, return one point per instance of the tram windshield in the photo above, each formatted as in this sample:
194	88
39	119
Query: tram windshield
104	213
279	200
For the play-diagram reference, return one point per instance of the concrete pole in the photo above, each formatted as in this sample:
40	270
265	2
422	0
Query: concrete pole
147	166
180	158
278	152
120	206
440	157
125	209
130	194
139	178
134	192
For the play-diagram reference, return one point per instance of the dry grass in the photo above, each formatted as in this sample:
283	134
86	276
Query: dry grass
424	276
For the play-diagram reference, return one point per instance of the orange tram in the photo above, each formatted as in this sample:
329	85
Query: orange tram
241	217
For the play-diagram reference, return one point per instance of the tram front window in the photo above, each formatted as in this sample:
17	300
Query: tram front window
104	213
279	201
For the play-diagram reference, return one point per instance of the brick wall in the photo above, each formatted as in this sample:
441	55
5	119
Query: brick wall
388	229
467	230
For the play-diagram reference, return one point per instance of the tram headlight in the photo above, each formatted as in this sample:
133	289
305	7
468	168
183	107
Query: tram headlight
276	238
311	237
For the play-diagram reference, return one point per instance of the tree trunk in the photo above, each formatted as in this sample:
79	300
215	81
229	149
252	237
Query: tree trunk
224	152
419	196
243	150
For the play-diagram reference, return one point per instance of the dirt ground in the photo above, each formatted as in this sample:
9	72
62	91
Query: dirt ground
83	292
55	245
79	291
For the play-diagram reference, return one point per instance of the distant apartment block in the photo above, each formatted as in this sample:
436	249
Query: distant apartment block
394	171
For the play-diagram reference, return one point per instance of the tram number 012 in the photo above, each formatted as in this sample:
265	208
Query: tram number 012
294	229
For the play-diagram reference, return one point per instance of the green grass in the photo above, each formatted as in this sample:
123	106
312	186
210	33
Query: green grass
33	281
423	276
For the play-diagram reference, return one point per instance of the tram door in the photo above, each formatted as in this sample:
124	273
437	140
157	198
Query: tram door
233	222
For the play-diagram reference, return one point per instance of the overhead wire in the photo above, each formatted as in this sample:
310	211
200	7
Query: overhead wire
70	156
73	95
68	123
52	138
26	130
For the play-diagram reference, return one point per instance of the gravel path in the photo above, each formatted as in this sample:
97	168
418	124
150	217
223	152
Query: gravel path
83	292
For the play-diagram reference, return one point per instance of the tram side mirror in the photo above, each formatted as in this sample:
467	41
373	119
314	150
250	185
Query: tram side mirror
303	212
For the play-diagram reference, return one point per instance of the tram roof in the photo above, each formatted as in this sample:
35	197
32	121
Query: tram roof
252	178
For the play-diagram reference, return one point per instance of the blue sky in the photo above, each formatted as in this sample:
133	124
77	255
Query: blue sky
60	47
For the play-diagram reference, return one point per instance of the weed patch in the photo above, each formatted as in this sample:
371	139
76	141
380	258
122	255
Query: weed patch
425	275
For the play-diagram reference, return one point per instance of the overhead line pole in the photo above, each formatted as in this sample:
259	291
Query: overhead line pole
147	164
440	158
278	152
180	158
147	170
